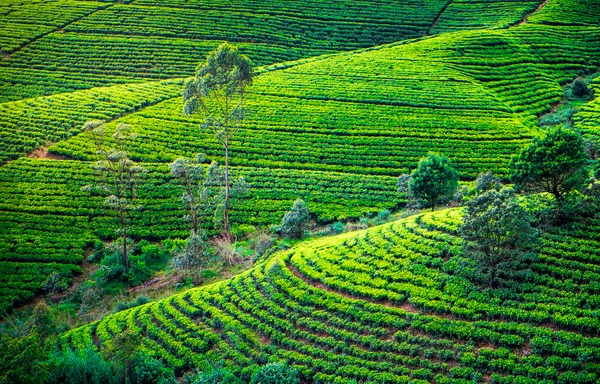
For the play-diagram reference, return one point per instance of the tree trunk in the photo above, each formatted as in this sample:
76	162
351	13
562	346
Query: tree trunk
124	231
226	145
192	201
492	276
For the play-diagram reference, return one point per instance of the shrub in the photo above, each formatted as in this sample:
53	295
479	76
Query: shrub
193	256
212	374
295	221
83	366
276	373
337	228
383	216
140	300
579	88
148	370
226	250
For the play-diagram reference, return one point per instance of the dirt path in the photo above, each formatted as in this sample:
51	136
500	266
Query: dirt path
526	17
438	17
42	153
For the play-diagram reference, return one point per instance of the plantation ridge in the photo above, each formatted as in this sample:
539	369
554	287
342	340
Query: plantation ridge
270	191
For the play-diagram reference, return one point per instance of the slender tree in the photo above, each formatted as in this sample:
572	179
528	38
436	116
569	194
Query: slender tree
200	188
218	91
433	181
117	177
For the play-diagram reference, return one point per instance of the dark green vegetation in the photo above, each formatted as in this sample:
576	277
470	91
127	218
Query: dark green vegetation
332	119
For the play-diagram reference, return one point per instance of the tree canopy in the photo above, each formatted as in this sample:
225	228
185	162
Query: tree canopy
555	164
498	235
434	181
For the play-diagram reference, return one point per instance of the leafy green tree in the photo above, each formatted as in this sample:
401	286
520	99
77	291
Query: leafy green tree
555	164
295	221
22	359
434	181
218	91
498	235
487	181
276	373
117	178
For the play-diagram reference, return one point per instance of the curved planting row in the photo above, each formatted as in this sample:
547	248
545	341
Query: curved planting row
587	118
277	311
162	39
47	220
416	261
24	21
28	124
468	14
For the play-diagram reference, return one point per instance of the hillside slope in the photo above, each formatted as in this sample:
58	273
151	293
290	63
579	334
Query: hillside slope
385	304
85	43
474	96
335	130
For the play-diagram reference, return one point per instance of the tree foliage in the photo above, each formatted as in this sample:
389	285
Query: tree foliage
146	369
217	91
201	189
555	164
579	88
212	373
498	235
83	366
20	359
117	178
295	221
434	181
487	181
276	373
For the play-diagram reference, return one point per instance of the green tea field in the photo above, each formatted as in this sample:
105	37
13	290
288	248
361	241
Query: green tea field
346	97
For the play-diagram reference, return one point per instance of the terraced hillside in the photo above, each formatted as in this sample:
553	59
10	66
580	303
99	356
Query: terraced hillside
385	305
47	221
74	43
587	119
472	95
335	130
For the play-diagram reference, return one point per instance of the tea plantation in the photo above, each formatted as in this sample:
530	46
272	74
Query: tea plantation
385	305
348	96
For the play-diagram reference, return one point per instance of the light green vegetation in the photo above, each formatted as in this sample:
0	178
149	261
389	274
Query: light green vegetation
473	96
467	14
28	124
334	130
385	304
46	217
587	118
25	21
162	39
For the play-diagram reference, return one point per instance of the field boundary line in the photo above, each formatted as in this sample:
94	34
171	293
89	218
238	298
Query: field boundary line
7	55
439	16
